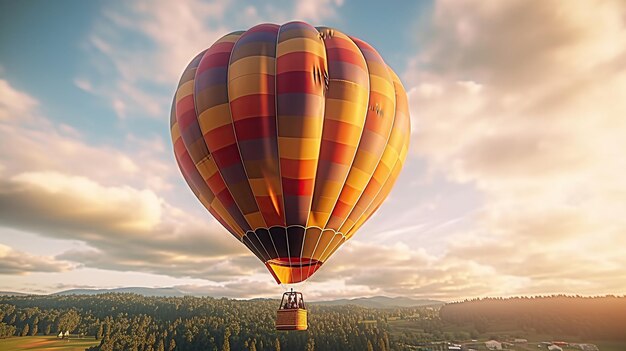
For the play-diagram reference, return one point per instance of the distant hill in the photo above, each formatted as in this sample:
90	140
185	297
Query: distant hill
12	293
369	302
381	302
167	292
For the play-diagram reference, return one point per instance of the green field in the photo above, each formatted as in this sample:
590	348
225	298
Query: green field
51	343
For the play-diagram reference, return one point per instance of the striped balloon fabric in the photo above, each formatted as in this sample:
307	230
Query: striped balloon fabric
292	137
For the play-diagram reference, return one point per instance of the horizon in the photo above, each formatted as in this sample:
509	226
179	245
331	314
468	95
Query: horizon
351	298
513	185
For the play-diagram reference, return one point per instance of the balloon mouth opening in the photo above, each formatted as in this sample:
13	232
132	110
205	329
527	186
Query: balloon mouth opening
290	270
293	261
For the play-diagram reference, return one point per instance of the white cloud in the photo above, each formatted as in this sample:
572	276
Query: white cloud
16	262
84	84
239	288
525	103
125	228
54	183
139	50
316	11
36	144
64	197
399	270
13	103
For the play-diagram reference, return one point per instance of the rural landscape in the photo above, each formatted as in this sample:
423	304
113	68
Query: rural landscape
125	321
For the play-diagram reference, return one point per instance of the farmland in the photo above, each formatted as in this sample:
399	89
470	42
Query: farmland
47	343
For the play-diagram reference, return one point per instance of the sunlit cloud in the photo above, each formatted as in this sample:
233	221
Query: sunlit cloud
137	79
35	143
125	228
14	104
525	103
316	11
21	263
112	208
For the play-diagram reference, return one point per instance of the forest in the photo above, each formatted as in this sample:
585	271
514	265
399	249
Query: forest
138	323
594	318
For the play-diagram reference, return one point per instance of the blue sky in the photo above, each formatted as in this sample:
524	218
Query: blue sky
52	41
514	164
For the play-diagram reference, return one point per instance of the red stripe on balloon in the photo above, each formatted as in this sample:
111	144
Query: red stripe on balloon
256	105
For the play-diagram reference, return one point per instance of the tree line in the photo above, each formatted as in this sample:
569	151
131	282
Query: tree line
138	323
591	318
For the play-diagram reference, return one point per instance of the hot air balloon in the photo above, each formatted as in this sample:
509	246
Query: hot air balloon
291	136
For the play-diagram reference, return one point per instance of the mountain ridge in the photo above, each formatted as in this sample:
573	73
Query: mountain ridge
368	302
13	293
381	302
166	292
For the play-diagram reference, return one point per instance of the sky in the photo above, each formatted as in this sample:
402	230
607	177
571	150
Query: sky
514	183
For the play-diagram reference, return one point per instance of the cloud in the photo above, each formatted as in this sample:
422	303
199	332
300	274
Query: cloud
34	143
224	267
13	103
16	262
239	288
369	269
316	11
139	50
54	183
52	199
512	43
128	229
525	104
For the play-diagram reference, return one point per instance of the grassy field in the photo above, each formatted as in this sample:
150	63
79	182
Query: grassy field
48	343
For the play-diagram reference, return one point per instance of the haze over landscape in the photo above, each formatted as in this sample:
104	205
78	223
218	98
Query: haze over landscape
513	184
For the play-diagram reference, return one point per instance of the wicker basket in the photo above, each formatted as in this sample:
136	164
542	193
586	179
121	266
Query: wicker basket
291	319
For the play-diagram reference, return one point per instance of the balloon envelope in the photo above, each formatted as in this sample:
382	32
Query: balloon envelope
291	136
